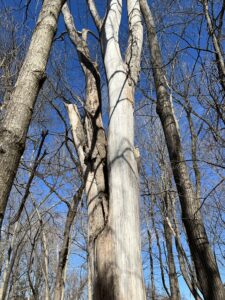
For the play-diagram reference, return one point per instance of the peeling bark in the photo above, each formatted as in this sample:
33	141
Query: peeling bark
113	228
90	143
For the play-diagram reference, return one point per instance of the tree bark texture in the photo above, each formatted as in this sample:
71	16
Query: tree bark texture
118	268
17	117
123	223
90	143
186	269
205	264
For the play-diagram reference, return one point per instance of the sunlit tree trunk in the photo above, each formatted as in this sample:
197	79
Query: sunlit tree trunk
123	175
121	276
205	264
17	116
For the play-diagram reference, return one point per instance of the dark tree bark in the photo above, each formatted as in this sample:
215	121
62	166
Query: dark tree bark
152	287
205	264
63	253
185	267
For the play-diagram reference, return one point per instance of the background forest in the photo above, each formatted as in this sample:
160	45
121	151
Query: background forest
52	225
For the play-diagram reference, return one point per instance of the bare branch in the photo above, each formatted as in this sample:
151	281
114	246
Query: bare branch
94	14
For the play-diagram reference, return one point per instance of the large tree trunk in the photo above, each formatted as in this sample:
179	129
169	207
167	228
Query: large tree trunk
126	265
205	264
119	269
15	123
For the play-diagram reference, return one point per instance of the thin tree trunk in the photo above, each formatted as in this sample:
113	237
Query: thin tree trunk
64	252
216	44
8	265
160	252
15	123
166	210
10	260
45	254
205	264
194	140
152	278
33	170
15	274
151	260
33	287
167	214
7	275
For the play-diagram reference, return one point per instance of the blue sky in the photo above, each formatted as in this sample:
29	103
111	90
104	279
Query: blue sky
73	75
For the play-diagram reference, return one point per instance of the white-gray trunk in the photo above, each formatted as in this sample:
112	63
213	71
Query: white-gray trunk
115	268
123	220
